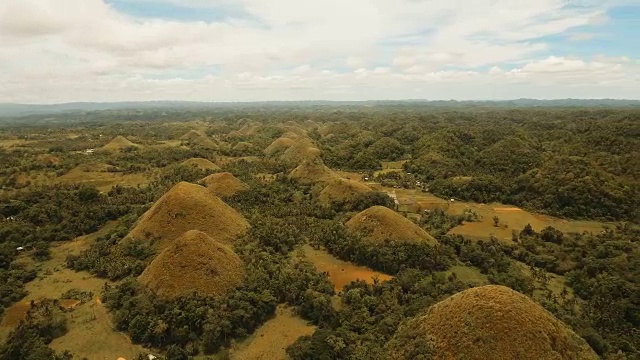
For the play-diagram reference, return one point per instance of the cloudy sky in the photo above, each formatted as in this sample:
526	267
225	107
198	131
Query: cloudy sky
246	50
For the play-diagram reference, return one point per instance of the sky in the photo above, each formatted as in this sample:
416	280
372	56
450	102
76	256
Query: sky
54	51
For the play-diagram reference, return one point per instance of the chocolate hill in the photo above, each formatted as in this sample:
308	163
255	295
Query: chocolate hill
312	172
342	190
119	143
488	322
189	207
201	163
379	223
194	262
224	184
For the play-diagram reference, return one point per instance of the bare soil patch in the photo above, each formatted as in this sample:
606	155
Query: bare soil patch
341	272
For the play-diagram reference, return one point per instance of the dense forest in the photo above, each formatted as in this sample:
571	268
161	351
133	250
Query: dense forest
572	163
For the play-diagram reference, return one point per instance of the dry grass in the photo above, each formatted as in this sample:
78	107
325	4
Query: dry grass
119	143
313	172
302	150
342	190
98	176
341	272
247	130
189	207
198	137
194	262
379	223
201	163
91	335
224	184
292	127
491	322
511	218
193	135
243	146
270	341
280	145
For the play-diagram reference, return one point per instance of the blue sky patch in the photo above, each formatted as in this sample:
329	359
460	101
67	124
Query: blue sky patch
169	11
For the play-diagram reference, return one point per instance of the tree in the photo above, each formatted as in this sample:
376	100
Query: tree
496	221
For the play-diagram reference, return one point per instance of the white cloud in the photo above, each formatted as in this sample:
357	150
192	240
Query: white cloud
70	50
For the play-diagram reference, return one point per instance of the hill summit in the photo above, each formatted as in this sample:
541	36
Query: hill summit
488	322
379	223
224	184
189	207
312	172
342	190
201	163
118	143
193	262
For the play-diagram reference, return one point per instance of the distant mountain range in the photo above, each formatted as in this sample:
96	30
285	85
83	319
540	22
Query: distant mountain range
17	110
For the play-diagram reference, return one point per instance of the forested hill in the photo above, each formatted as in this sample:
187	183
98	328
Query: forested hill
18	110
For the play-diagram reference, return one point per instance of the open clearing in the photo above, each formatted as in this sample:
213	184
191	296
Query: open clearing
341	272
103	180
91	333
415	201
270	341
468	274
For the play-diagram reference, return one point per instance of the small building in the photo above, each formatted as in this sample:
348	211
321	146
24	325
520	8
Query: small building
20	248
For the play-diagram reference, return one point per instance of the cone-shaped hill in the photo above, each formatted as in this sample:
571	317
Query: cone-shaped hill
201	163
379	223
189	207
243	146
224	184
488	322
342	190
193	262
200	138
313	172
119	143
302	150
279	145
193	135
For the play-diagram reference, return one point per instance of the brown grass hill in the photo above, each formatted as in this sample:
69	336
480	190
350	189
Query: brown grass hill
342	190
193	135
313	172
193	262
189	207
302	150
488	322
243	146
379	223
119	143
292	127
224	184
310	125
201	164
247	130
280	145
199	138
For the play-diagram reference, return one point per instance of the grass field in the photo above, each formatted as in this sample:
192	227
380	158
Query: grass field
270	341
414	201
341	272
103	180
91	333
468	274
